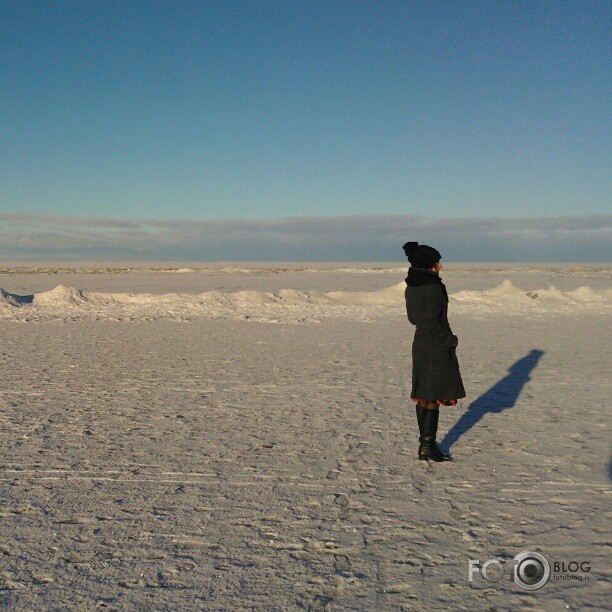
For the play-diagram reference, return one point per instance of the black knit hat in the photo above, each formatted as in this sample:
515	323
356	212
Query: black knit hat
421	255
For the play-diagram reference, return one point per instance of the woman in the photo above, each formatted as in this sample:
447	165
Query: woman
436	379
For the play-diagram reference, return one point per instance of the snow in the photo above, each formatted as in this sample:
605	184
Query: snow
235	440
290	305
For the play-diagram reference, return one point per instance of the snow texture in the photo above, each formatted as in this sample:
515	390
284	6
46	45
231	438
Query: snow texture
230	464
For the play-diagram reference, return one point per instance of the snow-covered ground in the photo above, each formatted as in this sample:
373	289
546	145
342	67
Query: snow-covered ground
165	446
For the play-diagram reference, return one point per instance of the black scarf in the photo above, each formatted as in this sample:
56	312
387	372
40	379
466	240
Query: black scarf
422	276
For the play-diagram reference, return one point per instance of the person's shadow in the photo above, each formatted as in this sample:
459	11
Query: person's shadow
502	395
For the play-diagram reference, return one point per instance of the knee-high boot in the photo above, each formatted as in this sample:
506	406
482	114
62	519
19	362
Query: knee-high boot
429	448
420	408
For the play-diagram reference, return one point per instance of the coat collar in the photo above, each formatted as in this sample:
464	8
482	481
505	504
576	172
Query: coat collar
422	276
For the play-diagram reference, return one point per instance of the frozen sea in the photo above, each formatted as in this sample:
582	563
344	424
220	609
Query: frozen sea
190	435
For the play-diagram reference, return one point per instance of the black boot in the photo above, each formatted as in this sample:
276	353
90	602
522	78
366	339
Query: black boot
445	456
420	410
429	448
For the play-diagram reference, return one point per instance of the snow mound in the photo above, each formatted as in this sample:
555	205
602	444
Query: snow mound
586	294
384	297
507	296
60	296
504	292
283	306
287	305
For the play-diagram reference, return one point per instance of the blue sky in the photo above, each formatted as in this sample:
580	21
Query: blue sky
258	111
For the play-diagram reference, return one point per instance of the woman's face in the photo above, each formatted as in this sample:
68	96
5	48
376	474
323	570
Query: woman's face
437	267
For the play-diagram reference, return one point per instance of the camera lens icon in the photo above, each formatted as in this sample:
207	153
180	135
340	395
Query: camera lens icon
531	570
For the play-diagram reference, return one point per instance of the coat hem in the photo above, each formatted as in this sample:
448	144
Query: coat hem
442	402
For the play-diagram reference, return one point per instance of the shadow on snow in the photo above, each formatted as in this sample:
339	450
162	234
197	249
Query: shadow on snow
501	396
15	299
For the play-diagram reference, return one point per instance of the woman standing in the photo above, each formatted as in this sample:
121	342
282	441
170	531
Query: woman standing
436	379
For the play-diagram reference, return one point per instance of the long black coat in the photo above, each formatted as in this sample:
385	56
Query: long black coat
435	369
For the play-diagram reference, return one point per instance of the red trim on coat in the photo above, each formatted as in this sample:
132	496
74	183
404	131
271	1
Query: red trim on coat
443	402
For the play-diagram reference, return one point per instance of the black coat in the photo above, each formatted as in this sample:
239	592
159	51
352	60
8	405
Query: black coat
435	369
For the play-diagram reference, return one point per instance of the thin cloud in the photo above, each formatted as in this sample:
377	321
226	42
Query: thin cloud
569	238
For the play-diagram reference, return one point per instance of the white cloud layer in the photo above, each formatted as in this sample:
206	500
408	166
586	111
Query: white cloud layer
27	236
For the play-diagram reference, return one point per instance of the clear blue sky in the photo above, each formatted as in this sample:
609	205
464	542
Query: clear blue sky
261	110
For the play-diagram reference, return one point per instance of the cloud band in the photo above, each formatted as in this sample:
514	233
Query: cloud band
360	238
